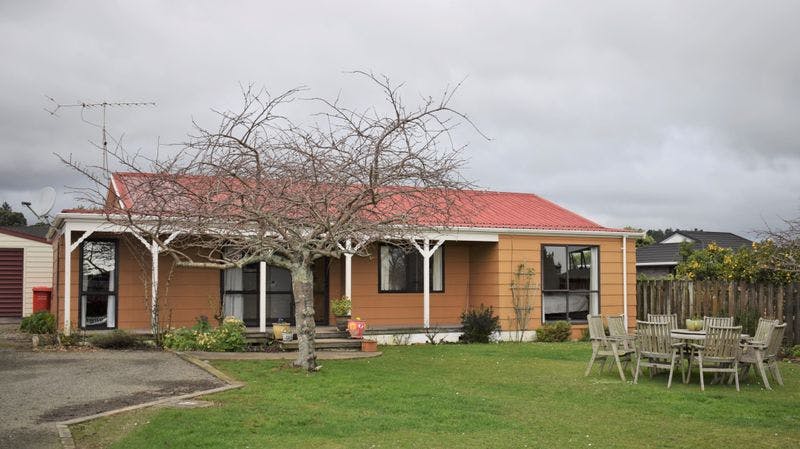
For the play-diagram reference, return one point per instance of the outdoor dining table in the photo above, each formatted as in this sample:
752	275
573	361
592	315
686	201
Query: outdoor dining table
686	334
697	336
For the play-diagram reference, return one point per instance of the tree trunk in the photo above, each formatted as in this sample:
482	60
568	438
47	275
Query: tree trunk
303	289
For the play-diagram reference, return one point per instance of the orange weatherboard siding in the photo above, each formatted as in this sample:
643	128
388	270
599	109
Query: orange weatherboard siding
516	249
406	309
191	291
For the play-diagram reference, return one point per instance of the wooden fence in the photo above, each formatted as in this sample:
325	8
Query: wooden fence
744	301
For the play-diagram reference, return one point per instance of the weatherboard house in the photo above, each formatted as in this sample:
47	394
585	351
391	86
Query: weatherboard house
581	268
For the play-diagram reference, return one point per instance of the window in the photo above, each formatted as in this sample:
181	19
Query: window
570	280
400	271
240	295
98	284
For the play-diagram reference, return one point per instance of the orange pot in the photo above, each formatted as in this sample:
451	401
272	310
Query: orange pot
356	328
369	346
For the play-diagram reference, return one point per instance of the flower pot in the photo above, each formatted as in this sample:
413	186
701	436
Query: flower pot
287	336
369	346
278	329
356	328
341	323
694	325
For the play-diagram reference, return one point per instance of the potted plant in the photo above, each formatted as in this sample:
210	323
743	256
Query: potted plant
694	324
368	345
356	327
278	329
341	310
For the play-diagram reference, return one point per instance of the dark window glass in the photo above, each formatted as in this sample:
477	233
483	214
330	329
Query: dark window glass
98	290
570	282
400	271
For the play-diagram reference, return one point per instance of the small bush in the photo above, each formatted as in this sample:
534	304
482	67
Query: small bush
478	324
341	306
554	332
117	339
69	340
795	351
228	337
39	323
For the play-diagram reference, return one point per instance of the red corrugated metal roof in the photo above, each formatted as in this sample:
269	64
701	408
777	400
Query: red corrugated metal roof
506	210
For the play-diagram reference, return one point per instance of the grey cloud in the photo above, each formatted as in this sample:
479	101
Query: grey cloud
633	113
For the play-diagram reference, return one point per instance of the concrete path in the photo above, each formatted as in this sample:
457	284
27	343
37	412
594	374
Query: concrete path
40	388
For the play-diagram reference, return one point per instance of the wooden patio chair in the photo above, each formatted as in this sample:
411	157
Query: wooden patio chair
722	321
775	342
618	329
655	348
719	353
604	346
672	320
754	352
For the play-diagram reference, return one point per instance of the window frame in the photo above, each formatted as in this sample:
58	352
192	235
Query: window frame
223	291
430	271
115	293
567	291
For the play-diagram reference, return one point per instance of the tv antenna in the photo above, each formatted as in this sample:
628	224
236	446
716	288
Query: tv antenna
43	204
56	106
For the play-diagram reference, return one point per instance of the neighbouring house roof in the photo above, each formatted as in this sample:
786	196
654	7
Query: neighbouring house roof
487	209
34	232
669	253
723	239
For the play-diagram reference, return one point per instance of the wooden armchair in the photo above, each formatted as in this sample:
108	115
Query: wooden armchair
754	352
723	321
618	329
719	353
656	349
672	320
604	346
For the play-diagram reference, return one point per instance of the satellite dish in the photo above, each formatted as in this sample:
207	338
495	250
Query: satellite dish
44	202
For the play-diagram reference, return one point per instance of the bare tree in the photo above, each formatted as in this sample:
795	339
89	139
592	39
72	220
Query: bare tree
785	252
261	187
522	291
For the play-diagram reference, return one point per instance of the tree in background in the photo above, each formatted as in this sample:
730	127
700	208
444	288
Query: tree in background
750	264
785	255
10	218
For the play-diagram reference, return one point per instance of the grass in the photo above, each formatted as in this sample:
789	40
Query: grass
508	395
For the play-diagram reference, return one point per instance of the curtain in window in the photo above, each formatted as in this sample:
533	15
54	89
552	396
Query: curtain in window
233	303
437	272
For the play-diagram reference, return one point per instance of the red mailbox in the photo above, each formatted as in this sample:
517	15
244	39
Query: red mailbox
41	299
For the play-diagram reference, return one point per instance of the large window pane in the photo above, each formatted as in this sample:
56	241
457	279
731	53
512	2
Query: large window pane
554	268
570	282
401	270
98	284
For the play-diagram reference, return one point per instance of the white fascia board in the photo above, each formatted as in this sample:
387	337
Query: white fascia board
653	264
461	236
549	232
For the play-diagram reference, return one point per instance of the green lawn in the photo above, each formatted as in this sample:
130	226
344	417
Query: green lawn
507	395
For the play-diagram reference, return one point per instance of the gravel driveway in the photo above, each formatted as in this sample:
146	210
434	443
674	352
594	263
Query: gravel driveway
38	389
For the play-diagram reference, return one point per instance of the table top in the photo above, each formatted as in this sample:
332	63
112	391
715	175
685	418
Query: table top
686	334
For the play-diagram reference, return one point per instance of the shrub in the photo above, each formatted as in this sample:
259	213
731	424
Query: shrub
478	324
795	351
117	339
554	332
228	337
39	323
341	306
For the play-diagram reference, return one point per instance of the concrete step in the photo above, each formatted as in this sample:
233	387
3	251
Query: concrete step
327	332
326	343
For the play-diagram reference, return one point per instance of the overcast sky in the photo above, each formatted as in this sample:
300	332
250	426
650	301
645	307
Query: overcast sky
649	114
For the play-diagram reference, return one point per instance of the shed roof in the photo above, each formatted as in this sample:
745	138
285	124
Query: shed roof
33	232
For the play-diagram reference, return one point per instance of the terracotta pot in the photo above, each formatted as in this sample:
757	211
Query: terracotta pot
369	346
278	329
356	328
341	323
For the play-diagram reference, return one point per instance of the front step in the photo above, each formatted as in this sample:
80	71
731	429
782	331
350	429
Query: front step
325	343
255	337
